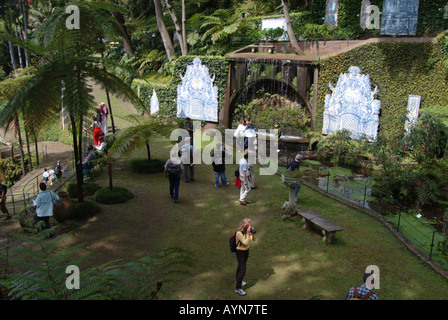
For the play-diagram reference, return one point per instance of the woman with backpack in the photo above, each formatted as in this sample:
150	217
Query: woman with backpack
173	168
245	233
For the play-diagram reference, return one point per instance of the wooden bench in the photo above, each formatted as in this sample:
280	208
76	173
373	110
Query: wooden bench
328	228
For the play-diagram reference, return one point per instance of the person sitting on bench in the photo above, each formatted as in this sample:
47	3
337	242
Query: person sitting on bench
88	160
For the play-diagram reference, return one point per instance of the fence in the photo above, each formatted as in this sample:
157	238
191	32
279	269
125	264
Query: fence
16	200
360	192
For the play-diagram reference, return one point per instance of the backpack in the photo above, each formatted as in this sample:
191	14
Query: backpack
173	168
356	297
232	242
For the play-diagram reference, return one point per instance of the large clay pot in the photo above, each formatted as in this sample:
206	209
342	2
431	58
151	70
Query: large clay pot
63	210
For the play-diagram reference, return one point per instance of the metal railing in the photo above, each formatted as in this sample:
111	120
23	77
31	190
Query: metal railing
16	200
360	192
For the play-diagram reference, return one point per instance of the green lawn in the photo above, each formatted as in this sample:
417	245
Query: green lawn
286	261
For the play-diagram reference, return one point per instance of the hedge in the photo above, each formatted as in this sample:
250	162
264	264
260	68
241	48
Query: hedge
86	209
167	94
116	195
398	69
88	188
142	165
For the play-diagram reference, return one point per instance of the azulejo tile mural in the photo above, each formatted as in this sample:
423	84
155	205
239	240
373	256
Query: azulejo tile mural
352	106
197	97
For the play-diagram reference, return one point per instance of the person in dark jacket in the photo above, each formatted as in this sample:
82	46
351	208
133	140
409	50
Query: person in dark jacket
219	165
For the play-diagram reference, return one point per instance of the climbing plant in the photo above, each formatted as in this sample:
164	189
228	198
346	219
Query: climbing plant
399	69
167	93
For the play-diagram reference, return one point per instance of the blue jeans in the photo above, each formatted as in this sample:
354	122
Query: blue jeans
174	185
221	174
297	190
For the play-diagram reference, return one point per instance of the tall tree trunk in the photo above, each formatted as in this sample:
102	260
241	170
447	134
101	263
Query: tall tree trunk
78	160
36	148
110	110
291	35
167	43
109	105
184	30
180	33
19	50
126	39
28	149
24	7
11	48
109	171
148	150
19	137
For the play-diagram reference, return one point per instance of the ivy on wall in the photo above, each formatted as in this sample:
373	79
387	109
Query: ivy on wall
399	69
167	94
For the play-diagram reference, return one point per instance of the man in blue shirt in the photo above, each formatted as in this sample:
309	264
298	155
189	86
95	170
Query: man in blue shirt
44	205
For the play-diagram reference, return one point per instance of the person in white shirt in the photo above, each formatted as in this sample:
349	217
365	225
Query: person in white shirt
102	144
52	176
44	205
238	134
45	175
244	177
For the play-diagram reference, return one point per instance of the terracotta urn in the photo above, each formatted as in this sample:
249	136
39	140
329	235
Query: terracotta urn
63	210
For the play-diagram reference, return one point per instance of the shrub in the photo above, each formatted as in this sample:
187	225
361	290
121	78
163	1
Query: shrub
86	209
145	166
116	195
88	188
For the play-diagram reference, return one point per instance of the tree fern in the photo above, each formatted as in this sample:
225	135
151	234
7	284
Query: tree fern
42	273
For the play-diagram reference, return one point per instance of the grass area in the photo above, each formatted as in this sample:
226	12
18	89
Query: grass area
286	262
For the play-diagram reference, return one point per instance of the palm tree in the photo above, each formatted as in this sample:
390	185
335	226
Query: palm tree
70	67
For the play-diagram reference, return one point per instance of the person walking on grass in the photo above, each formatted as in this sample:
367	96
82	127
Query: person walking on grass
244	177
186	153
219	165
172	170
295	165
245	233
